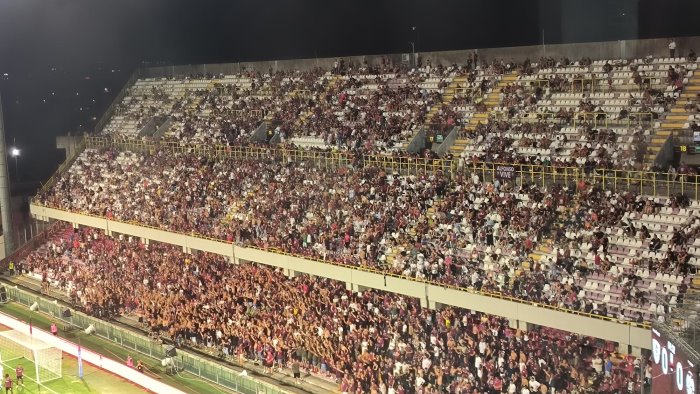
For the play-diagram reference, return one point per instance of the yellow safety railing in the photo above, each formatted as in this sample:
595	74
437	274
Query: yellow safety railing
596	119
659	184
589	83
63	167
655	184
465	90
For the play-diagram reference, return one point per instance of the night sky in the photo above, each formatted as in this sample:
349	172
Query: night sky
62	61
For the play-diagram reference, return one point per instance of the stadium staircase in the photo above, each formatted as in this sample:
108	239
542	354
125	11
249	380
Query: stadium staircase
491	101
430	214
543	248
447	97
694	288
675	121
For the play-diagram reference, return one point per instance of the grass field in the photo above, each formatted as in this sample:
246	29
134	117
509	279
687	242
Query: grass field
94	379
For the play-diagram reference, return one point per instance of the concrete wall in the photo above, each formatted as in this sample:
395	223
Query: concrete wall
430	295
657	47
69	143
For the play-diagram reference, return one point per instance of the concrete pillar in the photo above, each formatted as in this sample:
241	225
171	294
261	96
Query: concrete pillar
145	241
426	302
525	326
187	250
75	226
291	274
353	287
513	323
624	348
5	207
636	351
234	260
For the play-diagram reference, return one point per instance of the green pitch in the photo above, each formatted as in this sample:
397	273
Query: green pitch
94	380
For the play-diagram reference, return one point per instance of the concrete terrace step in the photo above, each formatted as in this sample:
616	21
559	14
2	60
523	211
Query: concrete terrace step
682	118
671	125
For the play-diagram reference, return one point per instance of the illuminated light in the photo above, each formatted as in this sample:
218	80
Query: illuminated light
14	152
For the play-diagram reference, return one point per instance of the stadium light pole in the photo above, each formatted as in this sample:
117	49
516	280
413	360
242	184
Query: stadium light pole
15	152
414	31
5	209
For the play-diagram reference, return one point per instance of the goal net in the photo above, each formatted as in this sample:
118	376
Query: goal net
43	361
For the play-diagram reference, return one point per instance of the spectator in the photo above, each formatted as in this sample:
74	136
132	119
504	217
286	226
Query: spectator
672	48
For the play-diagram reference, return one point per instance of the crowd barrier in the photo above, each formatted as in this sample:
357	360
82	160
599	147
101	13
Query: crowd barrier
426	290
198	366
657	184
595	119
96	359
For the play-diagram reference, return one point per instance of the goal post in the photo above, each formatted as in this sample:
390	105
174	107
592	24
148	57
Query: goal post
46	359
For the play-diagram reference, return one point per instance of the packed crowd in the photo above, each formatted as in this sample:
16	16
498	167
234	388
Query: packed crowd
458	230
592	119
587	147
368	342
352	106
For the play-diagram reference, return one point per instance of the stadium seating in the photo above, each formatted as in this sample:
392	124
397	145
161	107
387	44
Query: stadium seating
571	243
370	339
459	231
569	114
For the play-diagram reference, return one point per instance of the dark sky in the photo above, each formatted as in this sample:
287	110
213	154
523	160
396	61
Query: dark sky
60	55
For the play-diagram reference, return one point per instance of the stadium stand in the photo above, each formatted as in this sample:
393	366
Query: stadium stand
460	231
604	113
543	196
370	342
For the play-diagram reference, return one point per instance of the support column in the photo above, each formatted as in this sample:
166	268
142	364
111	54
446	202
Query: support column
5	207
624	348
187	250
636	351
525	326
291	274
354	287
513	323
426	302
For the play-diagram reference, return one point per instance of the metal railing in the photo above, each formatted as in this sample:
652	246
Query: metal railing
595	119
63	167
41	234
198	366
657	184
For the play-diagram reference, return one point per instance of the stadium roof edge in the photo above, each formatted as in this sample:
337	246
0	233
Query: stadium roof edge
574	51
